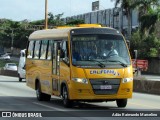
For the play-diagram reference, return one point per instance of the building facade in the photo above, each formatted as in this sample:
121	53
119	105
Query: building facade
115	18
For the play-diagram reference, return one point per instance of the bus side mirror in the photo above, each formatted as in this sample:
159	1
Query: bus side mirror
24	67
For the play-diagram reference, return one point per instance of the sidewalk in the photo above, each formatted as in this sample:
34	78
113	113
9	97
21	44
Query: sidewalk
152	77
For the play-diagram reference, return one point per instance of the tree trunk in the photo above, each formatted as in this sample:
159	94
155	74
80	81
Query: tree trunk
129	24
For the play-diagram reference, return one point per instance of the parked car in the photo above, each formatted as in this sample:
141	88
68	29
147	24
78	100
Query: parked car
5	57
21	66
10	66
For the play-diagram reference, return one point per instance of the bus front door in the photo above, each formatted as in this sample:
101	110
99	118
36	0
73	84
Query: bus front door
56	69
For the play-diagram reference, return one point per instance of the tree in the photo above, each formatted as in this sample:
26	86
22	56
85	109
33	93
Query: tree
146	46
144	6
148	14
55	20
75	22
148	21
127	6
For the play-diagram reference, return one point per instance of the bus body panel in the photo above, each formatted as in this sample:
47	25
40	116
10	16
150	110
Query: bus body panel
40	70
80	91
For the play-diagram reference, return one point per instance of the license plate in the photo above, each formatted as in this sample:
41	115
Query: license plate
107	87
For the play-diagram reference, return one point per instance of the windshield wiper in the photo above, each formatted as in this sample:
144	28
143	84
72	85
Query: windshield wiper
121	63
100	64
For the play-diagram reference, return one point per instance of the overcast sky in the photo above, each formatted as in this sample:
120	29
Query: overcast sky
34	9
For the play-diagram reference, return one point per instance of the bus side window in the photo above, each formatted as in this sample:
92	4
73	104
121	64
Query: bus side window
43	49
36	50
49	50
64	49
30	49
54	58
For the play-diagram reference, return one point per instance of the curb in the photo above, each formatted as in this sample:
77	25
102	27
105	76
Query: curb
9	73
146	86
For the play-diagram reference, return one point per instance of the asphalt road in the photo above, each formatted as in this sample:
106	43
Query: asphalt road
16	96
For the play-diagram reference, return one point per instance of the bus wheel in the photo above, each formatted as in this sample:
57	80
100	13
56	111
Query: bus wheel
20	79
38	92
121	102
67	103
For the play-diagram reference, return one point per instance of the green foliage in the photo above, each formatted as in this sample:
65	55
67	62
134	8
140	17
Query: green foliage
153	52
148	21
145	39
20	33
55	20
75	22
146	46
3	62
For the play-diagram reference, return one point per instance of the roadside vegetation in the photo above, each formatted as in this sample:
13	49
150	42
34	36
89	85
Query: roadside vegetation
146	39
22	30
3	62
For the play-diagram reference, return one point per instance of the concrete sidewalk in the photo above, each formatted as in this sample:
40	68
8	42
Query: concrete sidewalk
152	77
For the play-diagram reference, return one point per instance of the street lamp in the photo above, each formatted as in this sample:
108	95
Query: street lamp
12	36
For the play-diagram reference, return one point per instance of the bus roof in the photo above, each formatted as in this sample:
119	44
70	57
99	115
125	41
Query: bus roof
60	32
50	33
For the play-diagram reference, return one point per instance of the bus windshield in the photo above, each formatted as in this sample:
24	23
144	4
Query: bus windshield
99	50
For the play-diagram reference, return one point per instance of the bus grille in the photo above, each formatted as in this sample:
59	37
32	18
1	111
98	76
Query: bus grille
105	86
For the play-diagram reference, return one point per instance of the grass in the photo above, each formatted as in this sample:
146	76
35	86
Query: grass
3	62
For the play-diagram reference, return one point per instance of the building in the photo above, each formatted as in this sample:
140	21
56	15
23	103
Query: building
115	18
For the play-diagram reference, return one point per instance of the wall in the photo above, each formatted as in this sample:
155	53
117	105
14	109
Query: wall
154	65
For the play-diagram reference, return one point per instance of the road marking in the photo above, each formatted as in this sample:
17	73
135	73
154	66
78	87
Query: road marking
58	109
144	105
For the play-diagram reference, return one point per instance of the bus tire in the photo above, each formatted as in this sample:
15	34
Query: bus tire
20	79
67	103
121	102
39	94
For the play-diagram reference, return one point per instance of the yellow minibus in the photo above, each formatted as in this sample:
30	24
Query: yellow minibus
87	63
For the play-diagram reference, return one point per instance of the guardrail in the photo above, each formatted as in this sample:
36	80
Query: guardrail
146	86
9	73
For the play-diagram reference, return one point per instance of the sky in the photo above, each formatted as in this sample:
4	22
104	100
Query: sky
19	10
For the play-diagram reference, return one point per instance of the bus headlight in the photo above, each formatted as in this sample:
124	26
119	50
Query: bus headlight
80	80
125	80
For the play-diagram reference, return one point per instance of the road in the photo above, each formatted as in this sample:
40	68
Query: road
16	96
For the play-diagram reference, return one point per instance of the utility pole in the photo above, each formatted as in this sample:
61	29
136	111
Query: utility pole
46	14
12	36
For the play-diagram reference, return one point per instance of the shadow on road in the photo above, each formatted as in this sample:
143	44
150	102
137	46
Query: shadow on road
81	105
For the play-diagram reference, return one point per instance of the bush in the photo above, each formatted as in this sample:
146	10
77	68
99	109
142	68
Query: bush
146	46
